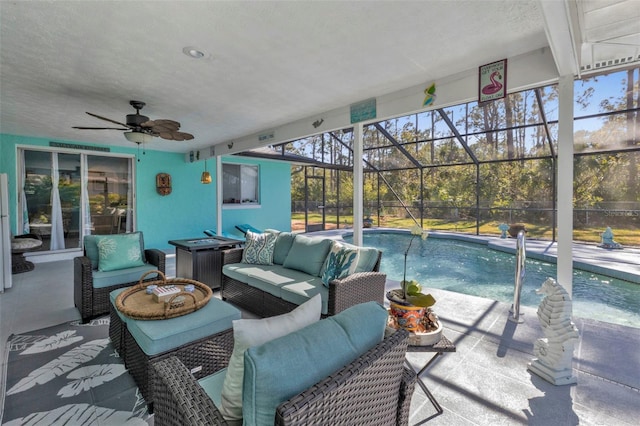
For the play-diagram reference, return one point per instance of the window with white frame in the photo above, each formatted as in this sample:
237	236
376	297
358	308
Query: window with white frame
240	183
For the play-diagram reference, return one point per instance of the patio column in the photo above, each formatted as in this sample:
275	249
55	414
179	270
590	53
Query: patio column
219	195
358	183
565	183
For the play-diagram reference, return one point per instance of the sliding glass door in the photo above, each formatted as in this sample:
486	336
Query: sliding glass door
68	195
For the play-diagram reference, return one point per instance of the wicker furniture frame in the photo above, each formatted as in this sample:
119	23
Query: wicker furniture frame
93	302
204	356
344	293
375	389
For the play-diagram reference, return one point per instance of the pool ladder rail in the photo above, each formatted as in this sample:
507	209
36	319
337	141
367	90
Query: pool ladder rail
521	257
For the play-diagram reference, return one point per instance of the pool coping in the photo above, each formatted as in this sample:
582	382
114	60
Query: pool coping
623	264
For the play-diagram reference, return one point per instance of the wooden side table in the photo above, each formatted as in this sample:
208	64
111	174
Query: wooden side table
444	345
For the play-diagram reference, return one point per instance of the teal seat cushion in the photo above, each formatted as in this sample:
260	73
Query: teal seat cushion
112	298
212	386
102	279
158	336
284	367
288	284
283	245
307	254
120	251
301	290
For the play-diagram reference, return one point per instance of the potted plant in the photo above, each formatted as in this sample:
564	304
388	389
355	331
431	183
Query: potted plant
411	309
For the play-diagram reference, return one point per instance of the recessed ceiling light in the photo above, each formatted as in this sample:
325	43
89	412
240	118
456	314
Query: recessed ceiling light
193	52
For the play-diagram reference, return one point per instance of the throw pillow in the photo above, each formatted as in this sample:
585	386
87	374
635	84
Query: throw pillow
307	254
254	332
342	261
258	249
119	251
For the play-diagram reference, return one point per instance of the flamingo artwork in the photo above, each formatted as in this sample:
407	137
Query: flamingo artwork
495	85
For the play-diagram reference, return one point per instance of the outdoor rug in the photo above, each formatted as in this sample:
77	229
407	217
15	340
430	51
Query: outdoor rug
68	374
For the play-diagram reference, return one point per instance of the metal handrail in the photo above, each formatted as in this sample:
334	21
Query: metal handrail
521	257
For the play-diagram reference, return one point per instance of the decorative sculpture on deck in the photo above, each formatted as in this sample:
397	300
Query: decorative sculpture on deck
554	352
608	241
503	227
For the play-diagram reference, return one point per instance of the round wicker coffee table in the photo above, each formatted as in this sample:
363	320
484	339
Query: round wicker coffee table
136	303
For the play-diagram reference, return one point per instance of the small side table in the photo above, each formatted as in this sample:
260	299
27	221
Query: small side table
444	345
19	246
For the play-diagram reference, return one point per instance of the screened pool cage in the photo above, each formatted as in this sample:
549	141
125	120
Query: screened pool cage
471	167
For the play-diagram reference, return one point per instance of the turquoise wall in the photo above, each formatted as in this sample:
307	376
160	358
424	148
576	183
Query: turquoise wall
190	208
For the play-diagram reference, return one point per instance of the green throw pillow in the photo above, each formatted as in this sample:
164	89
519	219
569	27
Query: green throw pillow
341	262
119	251
259	248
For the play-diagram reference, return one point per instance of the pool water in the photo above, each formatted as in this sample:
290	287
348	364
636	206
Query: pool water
477	270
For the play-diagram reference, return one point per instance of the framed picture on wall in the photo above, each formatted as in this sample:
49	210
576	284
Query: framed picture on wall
492	81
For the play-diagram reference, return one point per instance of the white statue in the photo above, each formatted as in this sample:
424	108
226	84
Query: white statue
554	352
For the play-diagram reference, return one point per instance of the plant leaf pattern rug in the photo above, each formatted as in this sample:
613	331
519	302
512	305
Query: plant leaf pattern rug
68	374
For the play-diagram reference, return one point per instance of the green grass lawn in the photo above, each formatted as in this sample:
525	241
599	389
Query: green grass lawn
627	237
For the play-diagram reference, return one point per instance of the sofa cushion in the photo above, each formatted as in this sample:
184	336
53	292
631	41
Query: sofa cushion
91	250
283	245
259	248
212	386
367	257
307	254
288	284
341	261
120	251
158	336
251	332
275	371
102	279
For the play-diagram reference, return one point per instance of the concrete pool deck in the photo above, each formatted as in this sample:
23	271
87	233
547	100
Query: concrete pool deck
486	381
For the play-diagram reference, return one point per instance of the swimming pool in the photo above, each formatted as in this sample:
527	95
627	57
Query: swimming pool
474	269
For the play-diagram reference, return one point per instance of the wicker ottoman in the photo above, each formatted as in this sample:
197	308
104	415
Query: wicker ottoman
202	340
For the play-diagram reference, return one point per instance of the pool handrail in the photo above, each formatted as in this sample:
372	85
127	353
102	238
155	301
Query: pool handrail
521	257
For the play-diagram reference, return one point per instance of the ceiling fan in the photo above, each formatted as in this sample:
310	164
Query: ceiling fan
141	129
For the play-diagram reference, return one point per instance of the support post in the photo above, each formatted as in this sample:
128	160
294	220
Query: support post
358	184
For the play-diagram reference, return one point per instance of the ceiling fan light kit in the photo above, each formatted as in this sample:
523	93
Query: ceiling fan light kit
138	137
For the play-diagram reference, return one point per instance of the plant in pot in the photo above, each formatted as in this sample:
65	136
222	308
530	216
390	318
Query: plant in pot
411	308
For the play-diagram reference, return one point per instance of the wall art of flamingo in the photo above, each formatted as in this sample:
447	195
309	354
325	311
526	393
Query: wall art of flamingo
495	86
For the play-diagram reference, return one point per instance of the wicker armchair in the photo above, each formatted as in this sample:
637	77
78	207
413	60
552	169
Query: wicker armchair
375	389
93	302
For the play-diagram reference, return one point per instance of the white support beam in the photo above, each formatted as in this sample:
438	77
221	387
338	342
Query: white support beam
565	183
562	28
358	183
219	195
529	70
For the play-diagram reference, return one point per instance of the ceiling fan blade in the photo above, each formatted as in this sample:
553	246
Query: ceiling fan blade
98	128
110	120
160	126
176	136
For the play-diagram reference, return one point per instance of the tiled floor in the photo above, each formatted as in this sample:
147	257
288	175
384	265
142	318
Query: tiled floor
485	382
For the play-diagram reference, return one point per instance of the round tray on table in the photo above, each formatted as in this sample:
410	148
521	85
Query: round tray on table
135	303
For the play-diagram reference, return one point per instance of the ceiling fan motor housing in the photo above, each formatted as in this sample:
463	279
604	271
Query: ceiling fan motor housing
136	119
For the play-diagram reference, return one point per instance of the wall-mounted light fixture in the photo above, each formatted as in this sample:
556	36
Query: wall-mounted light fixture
206	176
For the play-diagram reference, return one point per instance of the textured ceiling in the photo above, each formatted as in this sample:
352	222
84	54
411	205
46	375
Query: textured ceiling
266	64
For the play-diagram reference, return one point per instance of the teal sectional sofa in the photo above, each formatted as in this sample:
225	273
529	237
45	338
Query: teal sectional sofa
295	275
